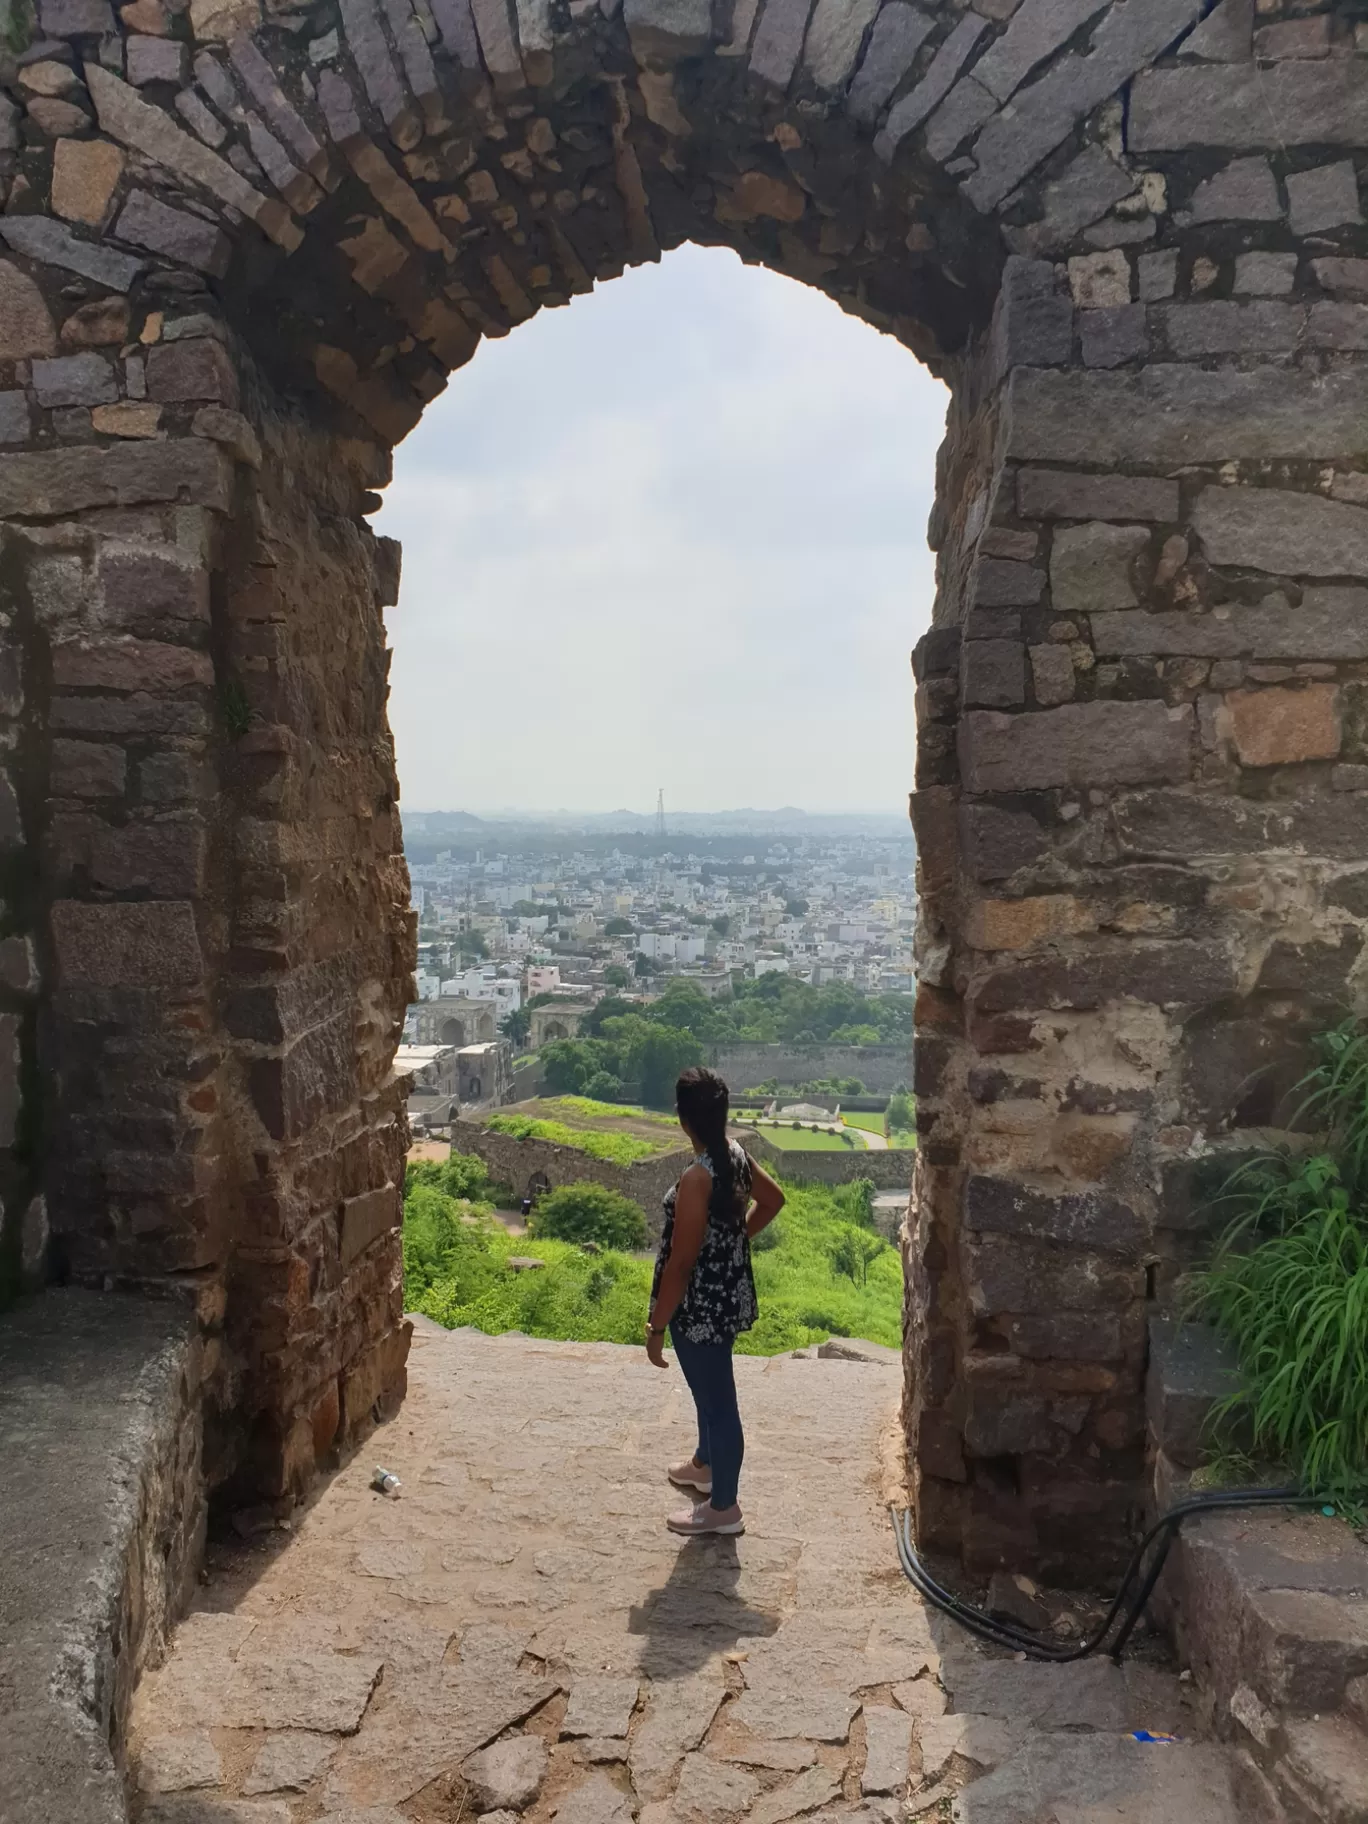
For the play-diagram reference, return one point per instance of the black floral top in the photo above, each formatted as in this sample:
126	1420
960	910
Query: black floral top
720	1300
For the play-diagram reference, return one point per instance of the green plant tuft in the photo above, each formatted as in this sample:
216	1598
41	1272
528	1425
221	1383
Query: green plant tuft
589	1212
1288	1287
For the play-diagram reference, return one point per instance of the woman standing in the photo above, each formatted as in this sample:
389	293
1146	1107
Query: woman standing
703	1292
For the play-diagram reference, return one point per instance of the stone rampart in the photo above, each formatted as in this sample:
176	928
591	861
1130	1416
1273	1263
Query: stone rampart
888	1169
879	1067
517	1162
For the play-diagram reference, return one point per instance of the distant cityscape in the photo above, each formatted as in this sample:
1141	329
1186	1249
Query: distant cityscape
513	917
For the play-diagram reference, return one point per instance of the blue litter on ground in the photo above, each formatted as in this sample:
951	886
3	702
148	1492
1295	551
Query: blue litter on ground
1145	1735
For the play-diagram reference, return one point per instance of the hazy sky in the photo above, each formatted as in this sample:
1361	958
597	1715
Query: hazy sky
673	535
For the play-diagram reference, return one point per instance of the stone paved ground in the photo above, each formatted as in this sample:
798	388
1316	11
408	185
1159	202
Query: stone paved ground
522	1592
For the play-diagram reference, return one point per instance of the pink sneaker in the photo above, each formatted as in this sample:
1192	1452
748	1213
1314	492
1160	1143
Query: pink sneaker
691	1475
694	1522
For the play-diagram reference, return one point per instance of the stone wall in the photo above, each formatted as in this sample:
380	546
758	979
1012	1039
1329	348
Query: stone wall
888	1169
879	1067
517	1162
241	255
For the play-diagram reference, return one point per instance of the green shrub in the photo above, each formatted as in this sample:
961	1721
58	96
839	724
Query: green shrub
589	1212
460	1175
1288	1287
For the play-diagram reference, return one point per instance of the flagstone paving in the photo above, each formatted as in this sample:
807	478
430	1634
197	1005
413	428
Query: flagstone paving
521	1590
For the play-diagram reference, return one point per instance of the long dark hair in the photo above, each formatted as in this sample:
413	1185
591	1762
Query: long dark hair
702	1102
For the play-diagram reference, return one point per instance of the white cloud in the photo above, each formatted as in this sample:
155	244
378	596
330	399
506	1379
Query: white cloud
673	535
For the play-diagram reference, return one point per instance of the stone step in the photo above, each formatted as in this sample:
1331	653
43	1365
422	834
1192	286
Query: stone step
1322	1774
1105	1776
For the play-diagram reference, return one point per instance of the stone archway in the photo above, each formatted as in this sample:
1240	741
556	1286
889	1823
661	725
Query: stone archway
453	1032
242	253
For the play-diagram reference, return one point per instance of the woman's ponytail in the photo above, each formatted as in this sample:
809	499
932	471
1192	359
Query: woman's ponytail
703	1103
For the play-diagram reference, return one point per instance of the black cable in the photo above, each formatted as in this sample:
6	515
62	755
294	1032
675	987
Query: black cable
1161	1535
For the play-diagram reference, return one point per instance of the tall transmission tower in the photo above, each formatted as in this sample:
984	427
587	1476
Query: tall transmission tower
660	813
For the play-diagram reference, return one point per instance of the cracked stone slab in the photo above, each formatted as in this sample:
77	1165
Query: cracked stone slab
176	1763
288	1762
323	1691
678	1718
1097	1777
783	1709
600	1706
594	1801
710	1791
813	1787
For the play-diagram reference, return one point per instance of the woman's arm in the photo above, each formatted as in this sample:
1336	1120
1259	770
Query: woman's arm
766	1200
690	1226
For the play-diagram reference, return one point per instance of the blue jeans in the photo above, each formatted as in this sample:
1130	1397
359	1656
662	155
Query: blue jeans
707	1367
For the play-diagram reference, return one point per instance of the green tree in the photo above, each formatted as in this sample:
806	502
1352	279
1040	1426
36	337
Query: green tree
643	964
589	1212
619	927
517	1024
722	925
617	977
901	1115
472	945
852	1251
567	1065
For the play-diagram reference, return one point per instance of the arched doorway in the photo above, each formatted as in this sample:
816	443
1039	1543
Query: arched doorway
224	306
452	1033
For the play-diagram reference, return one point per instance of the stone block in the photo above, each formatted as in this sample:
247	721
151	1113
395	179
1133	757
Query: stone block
1033	321
1180	826
87	769
1190	1372
1265	275
152	587
1092	567
1086	191
1349	277
52	484
85	174
376	1381
1078	744
1180	973
888	1749
899	33
1156	275
1025	924
778	41
1331	624
1052	674
1235	107
1220	326
1308	37
1100	281
1244	191
1168	415
1287	533
1067	1336
366	1218
1285	727
1327	196
153	59
993	673
906	115
1310	972
995	843
1225	35
1007	1275
148	222
40	237
666	30
1112	337
998	583
142	945
16	422
197	369
508	1775
1038	30
1304	1646
128	665
316	1074
1044	114
86	379
26	328
1089	1220
1060	494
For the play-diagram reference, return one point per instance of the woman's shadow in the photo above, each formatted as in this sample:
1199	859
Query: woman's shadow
698	1611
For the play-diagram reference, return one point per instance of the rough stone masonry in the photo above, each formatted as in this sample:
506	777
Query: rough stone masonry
246	241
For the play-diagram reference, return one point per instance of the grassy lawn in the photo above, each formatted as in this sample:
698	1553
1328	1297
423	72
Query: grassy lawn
456	1272
869	1124
803	1140
901	1137
574	1107
617	1149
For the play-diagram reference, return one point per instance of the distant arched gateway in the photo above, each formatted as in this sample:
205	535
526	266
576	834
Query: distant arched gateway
244	252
